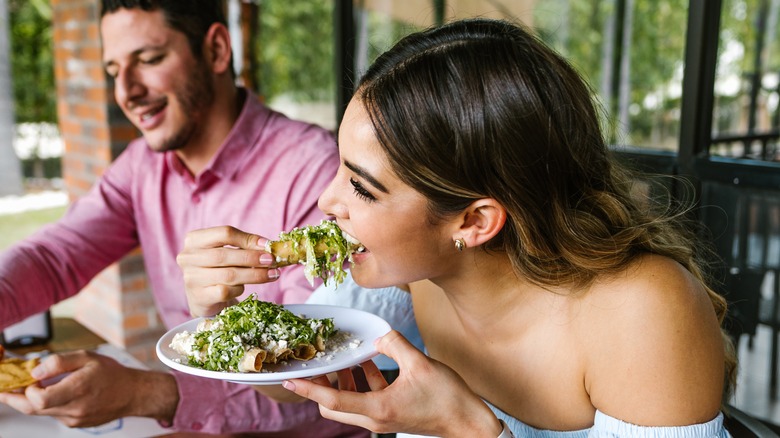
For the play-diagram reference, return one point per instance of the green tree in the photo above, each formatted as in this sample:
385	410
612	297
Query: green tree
583	32
295	49
33	69
32	61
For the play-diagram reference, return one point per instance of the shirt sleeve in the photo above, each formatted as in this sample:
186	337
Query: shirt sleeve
61	258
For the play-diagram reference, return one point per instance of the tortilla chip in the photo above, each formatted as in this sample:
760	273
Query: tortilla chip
15	373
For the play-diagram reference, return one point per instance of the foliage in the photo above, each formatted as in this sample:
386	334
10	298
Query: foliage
32	60
738	60
579	31
295	49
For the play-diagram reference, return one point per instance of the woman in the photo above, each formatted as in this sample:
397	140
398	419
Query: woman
550	301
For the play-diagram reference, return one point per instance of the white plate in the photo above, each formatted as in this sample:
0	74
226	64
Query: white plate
363	326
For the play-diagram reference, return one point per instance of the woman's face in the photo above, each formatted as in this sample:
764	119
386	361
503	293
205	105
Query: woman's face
387	216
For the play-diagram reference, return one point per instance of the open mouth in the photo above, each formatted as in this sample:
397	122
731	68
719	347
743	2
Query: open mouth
151	113
355	244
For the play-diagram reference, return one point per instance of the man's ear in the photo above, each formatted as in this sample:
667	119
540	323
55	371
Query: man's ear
217	48
481	221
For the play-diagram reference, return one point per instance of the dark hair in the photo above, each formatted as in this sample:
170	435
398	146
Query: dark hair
481	108
193	18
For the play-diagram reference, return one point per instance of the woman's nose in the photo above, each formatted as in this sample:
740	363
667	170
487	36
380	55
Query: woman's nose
328	202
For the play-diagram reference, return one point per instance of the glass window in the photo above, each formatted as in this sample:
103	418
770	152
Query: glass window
630	51
632	54
634	66
747	82
284	50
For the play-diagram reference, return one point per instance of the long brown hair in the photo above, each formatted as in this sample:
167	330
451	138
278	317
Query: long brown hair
481	108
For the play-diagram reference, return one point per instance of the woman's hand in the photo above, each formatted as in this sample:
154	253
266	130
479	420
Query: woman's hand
427	398
217	263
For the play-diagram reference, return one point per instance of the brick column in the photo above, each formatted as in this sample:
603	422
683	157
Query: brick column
117	304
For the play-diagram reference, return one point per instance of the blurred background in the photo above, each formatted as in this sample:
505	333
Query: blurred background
687	87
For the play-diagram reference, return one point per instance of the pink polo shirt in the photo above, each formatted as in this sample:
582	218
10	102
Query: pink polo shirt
265	178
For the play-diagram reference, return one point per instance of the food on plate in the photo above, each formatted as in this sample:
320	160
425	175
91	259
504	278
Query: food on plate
243	337
15	373
322	249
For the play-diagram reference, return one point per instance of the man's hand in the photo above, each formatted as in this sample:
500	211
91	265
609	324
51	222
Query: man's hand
217	263
97	390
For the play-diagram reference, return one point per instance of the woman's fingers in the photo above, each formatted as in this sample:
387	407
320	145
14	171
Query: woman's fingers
376	380
396	347
224	256
216	237
229	276
211	300
346	380
224	247
217	262
331	398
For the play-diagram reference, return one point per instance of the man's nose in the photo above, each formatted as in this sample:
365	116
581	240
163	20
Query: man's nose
128	87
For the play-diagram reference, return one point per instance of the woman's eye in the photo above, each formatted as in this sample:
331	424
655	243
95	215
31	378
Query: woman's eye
361	191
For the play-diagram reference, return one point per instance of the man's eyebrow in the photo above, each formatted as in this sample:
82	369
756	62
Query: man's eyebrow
365	175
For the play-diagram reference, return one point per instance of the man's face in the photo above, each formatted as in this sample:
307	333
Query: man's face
163	89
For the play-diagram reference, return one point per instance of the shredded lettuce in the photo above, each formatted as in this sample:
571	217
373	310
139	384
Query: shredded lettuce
325	247
252	323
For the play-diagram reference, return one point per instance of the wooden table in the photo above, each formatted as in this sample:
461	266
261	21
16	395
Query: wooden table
67	335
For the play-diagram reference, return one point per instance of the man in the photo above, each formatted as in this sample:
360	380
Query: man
210	155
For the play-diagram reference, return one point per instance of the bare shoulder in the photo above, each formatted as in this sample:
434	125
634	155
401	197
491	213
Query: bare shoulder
655	353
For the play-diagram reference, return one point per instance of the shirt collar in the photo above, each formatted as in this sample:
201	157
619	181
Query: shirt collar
242	137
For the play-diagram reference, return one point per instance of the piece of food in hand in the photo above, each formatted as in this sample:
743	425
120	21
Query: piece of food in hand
243	337
15	373
322	249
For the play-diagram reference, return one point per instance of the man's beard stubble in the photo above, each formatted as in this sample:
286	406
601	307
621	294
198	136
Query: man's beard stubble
196	95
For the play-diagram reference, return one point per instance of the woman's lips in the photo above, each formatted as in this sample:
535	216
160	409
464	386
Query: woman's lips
355	245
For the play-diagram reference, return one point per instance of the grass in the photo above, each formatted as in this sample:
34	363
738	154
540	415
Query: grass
15	227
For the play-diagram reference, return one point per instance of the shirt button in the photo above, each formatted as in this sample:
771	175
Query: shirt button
197	426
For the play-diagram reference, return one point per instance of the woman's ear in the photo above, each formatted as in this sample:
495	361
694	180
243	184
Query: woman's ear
217	49
481	221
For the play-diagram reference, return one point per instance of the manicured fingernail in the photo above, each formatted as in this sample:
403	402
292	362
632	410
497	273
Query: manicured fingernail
288	385
273	274
266	259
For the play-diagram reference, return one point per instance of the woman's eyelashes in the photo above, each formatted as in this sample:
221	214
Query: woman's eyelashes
361	191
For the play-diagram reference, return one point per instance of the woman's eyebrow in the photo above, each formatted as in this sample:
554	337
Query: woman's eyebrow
365	175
